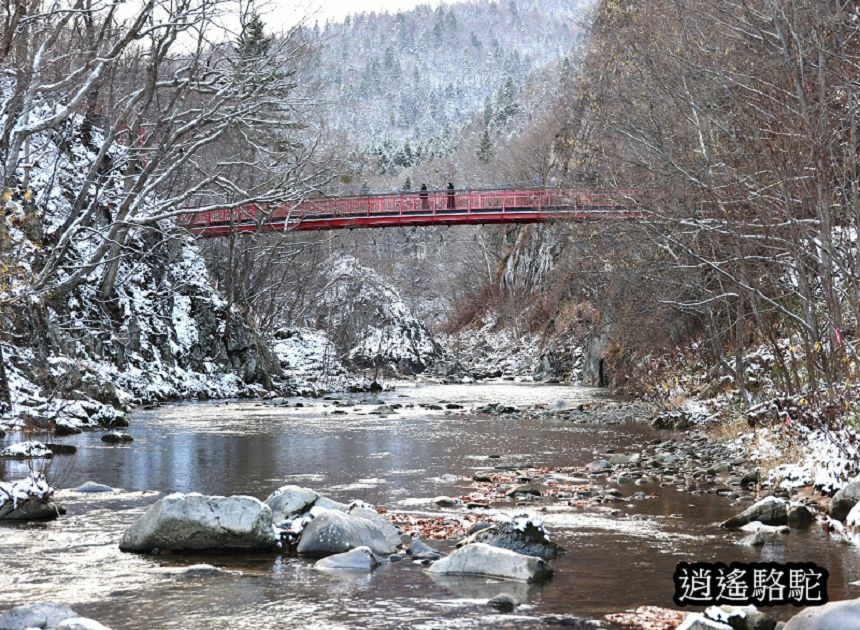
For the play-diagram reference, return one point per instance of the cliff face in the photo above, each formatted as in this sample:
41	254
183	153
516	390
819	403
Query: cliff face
370	323
82	357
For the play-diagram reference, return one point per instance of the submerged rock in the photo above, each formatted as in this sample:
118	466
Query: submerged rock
483	559
833	616
770	511
503	603
195	521
91	487
335	532
358	559
522	534
117	437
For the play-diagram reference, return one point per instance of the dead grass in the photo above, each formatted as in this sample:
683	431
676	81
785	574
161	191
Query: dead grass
729	429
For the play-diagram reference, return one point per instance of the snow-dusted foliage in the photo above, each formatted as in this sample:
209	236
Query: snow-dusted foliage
371	324
82	357
35	486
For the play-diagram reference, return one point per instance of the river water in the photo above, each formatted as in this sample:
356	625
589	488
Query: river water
615	561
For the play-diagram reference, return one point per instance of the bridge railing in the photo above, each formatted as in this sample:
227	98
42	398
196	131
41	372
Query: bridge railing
436	202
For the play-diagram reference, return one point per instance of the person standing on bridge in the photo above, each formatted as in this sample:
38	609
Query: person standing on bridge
423	195
451	205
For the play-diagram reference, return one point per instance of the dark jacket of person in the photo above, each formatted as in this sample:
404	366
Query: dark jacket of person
450	193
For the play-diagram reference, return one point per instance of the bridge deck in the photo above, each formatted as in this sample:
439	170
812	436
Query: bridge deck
417	209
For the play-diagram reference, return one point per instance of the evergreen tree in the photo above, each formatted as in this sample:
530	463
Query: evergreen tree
407	185
506	106
485	147
253	42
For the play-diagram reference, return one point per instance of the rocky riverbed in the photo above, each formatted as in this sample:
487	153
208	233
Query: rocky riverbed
445	465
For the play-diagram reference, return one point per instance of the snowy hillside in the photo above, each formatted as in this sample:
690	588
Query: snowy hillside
422	74
83	357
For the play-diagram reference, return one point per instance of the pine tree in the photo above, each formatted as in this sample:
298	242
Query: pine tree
506	106
485	147
253	42
407	185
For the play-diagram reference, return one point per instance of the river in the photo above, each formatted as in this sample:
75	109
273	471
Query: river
618	558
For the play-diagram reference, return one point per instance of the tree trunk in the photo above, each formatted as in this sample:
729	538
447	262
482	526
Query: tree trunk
5	392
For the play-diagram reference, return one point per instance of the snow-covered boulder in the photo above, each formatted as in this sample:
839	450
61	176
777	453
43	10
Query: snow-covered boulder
27	450
358	559
769	511
47	615
523	534
28	499
833	616
334	532
195	521
483	559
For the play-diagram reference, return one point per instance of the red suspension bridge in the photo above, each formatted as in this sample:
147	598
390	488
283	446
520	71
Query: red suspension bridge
420	209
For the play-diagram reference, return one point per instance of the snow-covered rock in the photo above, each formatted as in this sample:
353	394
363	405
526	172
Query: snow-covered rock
523	534
483	559
27	450
334	532
195	521
358	559
28	499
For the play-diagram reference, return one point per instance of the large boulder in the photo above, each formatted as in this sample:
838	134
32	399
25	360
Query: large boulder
523	534
483	559
195	521
769	511
288	502
833	616
844	500
41	615
335	532
358	559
